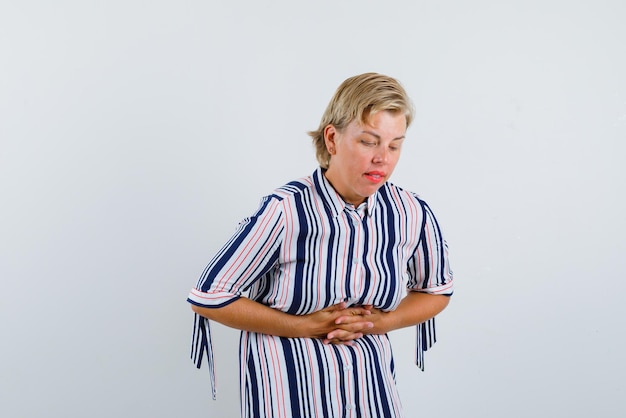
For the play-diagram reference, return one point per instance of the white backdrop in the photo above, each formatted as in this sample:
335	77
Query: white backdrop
135	135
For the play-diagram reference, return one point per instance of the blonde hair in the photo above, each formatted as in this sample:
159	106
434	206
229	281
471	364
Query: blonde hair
357	98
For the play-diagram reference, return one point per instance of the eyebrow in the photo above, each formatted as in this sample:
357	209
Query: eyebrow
375	135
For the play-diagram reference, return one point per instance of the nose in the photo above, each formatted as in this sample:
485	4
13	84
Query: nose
381	155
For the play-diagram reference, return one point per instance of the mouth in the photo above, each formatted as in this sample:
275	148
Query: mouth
375	176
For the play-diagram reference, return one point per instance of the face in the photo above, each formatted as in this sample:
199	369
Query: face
363	156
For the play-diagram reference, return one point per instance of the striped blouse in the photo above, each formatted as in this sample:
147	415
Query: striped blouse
303	250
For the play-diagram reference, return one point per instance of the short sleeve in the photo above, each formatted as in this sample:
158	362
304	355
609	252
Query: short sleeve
429	267
246	257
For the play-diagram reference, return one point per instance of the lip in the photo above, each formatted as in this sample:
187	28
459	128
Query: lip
375	176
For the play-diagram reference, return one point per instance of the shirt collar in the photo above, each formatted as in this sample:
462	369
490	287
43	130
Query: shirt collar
332	200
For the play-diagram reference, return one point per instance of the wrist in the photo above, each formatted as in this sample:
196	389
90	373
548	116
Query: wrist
385	324
297	326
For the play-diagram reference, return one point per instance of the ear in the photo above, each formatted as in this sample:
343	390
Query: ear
330	136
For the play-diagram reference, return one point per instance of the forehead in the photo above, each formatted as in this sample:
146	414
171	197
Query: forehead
369	118
383	122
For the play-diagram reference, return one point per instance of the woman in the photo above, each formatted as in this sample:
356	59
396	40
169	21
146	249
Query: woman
330	264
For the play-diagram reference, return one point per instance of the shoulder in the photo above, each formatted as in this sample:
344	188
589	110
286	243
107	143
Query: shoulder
293	190
281	198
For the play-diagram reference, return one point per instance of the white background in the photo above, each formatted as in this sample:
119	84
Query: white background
136	134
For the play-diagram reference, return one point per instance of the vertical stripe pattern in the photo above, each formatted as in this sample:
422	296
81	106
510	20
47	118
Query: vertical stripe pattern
303	250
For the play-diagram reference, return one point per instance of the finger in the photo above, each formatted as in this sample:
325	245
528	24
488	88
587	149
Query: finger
352	320
354	313
359	311
344	335
337	307
339	342
356	327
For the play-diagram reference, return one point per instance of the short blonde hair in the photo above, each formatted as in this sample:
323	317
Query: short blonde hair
357	98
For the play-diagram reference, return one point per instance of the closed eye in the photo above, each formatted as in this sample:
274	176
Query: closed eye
396	144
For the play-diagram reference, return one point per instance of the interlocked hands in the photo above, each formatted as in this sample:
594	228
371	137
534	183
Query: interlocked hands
340	324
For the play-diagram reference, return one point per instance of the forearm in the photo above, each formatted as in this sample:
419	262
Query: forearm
248	315
414	309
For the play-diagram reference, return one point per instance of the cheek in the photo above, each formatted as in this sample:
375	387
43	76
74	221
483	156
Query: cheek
363	155
362	161
394	163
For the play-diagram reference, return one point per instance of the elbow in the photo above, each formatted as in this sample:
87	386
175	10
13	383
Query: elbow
446	301
439	303
209	313
443	300
197	309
